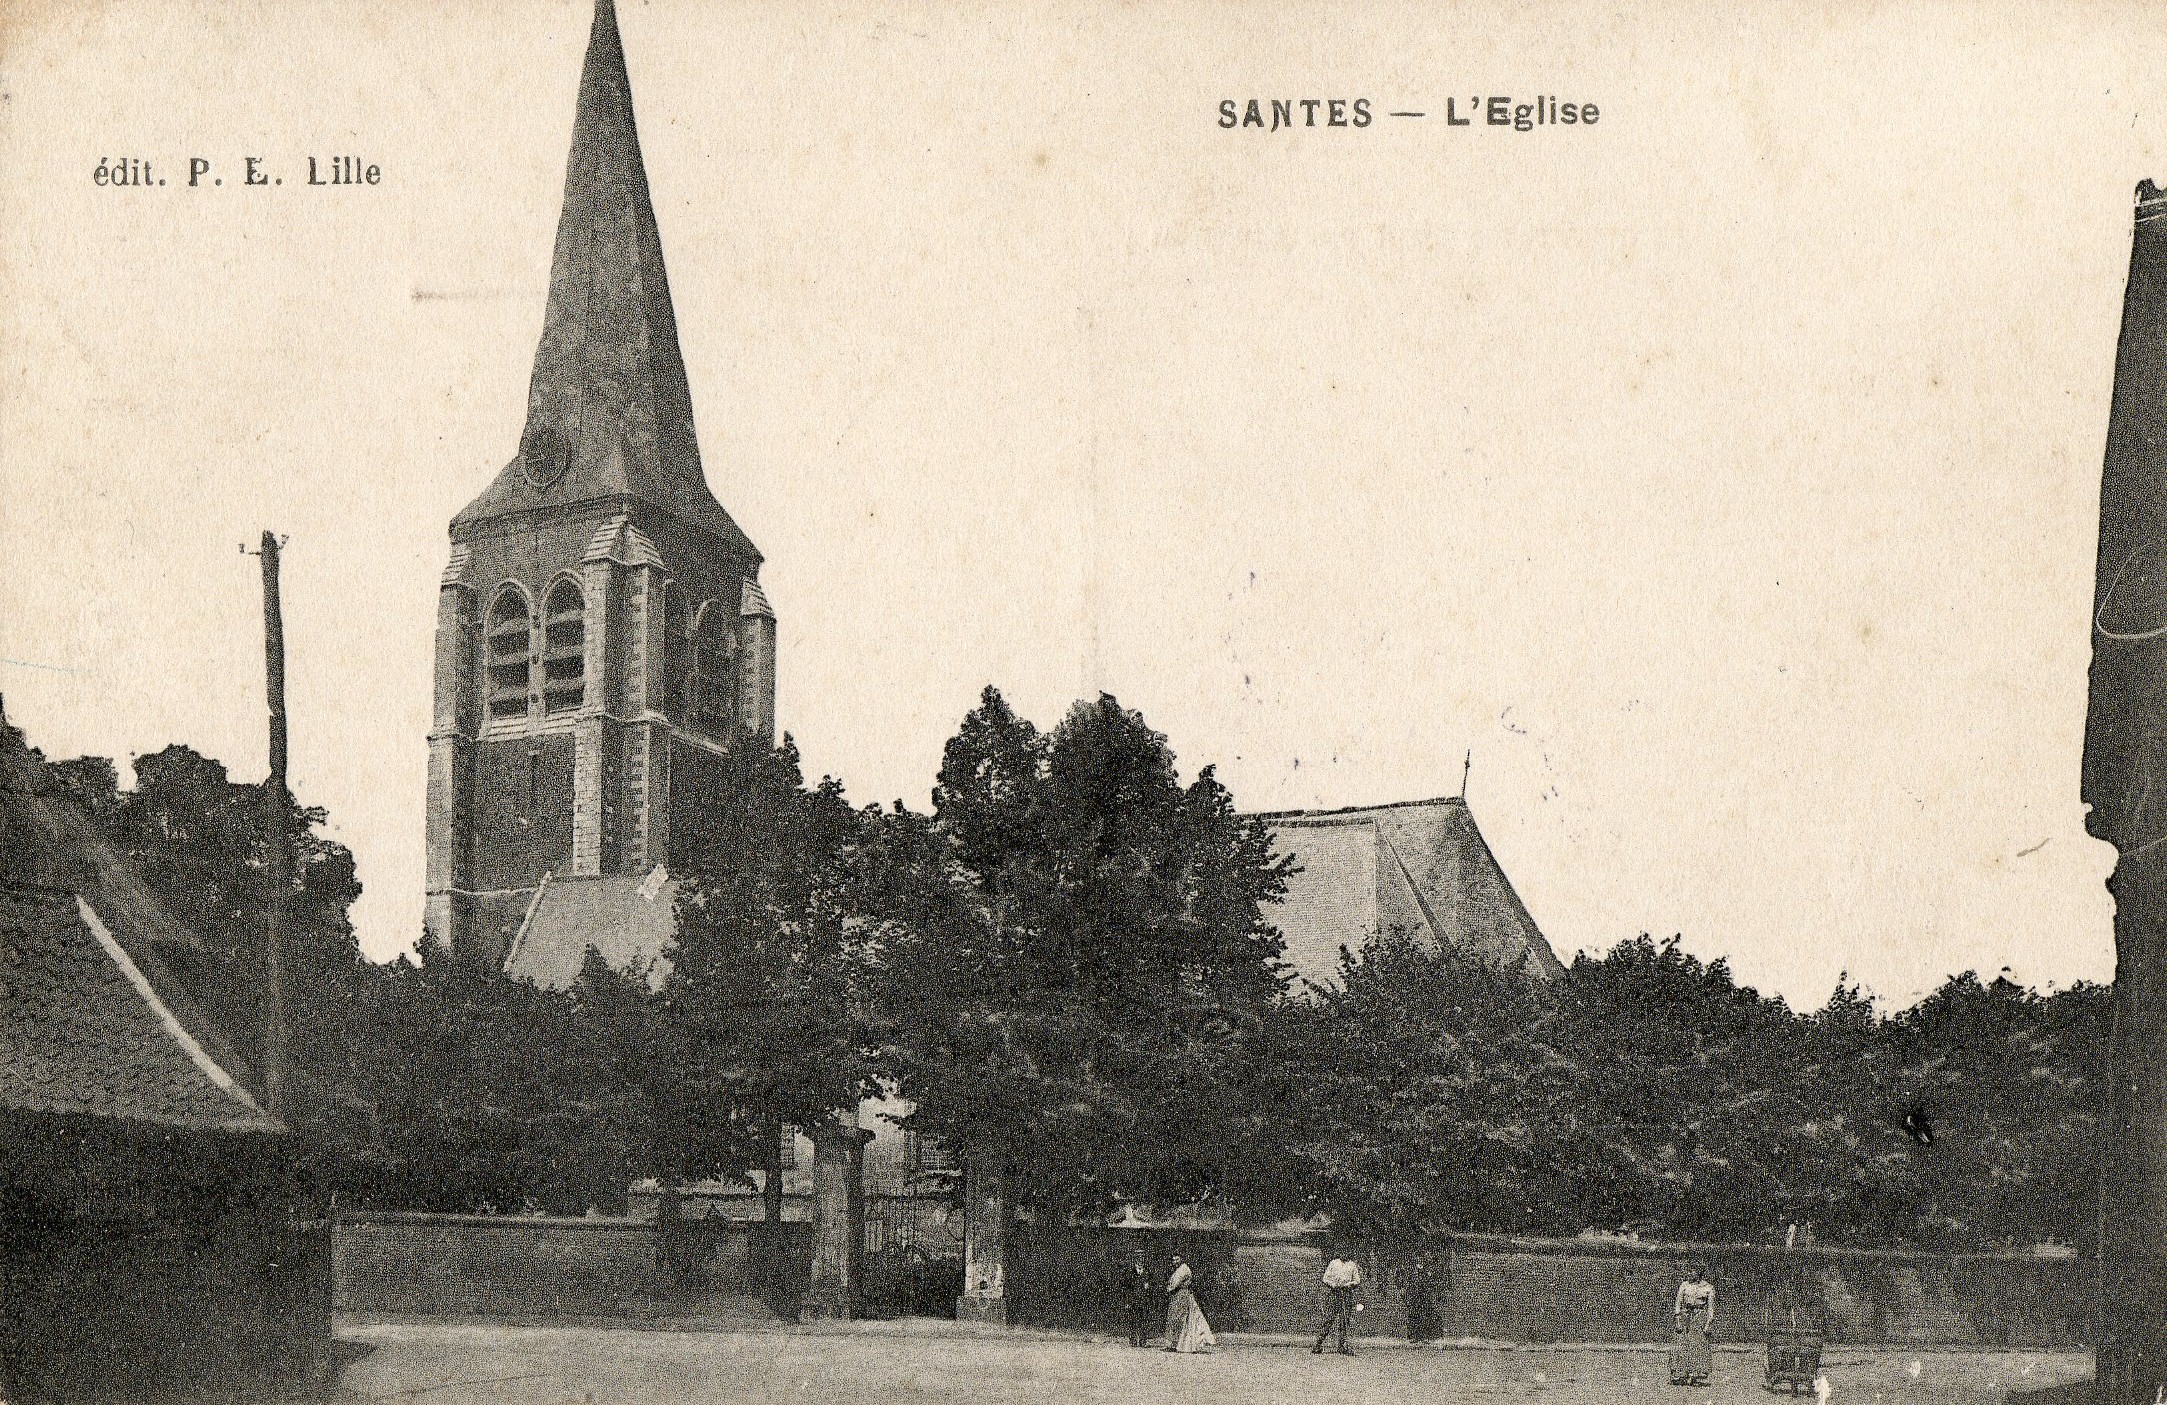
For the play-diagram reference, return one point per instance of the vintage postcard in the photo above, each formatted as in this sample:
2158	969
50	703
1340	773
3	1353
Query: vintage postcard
741	701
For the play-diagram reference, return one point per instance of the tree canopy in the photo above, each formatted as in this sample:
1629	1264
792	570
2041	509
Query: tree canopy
1070	964
1648	1092
768	1006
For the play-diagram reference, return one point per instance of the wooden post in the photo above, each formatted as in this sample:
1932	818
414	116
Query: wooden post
278	868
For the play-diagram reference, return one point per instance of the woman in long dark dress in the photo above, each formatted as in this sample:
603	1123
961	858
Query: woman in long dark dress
1692	1313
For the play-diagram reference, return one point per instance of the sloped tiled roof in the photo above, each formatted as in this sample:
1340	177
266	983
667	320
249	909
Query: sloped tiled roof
618	540
1420	866
45	838
625	918
83	1032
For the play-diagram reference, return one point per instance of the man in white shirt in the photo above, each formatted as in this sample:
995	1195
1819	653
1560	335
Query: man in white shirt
1341	1277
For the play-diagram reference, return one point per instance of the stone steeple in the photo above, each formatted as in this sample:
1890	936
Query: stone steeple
602	637
609	412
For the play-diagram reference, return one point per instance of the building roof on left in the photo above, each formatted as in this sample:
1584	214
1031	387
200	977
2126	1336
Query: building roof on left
46	839
92	1022
83	1031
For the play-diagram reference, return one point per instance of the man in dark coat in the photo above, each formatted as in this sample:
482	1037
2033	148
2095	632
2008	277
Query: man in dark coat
1140	1296
1423	1324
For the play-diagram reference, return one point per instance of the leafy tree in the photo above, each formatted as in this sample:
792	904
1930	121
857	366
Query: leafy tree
1070	965
1415	1089
468	1090
1082	987
197	838
768	1003
1994	1102
1679	1100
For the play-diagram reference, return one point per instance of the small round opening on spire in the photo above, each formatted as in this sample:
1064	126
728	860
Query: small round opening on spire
544	455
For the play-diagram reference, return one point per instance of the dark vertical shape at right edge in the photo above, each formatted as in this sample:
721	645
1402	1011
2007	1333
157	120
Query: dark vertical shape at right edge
2125	784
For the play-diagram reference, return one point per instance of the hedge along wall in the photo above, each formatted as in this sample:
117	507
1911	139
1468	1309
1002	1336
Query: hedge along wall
1565	1290
536	1265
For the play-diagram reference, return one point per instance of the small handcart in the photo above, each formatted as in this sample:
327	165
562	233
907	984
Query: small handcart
1794	1333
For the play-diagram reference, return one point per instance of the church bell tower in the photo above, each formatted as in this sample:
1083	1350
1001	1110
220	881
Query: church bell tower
601	631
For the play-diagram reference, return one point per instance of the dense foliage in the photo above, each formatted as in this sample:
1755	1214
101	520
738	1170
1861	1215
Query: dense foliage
447	1087
1069	967
768	1010
197	837
424	1085
1647	1092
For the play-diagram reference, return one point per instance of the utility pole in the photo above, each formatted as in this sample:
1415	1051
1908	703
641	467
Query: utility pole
277	810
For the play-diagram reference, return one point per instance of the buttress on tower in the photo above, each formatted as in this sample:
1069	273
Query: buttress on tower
601	631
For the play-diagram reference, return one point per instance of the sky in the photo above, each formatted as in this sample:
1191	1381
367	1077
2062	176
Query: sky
1722	476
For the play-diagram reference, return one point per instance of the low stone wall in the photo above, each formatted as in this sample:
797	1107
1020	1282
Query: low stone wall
535	1265
1529	1290
1570	1290
1533	1290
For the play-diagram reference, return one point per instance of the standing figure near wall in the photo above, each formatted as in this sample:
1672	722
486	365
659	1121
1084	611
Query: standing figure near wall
1693	1313
1140	1298
1341	1277
1186	1329
1424	1324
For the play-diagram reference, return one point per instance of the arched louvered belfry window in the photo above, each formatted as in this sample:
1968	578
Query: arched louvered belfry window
564	649
714	673
676	646
508	645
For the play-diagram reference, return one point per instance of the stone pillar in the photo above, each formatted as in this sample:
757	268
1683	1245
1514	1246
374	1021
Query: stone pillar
986	1212
655	797
453	722
643	643
588	784
602	583
594	774
838	1220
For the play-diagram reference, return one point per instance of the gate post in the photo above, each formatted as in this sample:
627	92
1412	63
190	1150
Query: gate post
986	1209
838	1220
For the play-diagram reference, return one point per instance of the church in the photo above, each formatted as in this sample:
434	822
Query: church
602	634
602	637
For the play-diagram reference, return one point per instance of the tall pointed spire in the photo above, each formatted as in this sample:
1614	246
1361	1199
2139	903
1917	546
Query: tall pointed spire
2125	784
609	411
